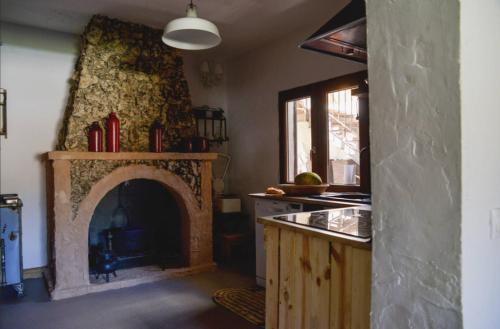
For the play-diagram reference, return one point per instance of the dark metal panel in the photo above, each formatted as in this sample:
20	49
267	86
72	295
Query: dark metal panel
344	35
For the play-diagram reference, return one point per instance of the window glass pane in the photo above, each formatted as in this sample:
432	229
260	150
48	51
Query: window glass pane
298	137
343	138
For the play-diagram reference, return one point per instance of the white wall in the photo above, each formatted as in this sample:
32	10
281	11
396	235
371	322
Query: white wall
414	71
254	81
214	96
35	68
480	87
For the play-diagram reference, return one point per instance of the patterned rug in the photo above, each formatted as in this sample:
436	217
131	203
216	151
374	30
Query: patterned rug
249	303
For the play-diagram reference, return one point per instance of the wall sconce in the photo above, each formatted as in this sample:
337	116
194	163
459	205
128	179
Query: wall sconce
211	74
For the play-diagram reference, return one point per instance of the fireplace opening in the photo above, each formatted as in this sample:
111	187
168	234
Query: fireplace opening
135	225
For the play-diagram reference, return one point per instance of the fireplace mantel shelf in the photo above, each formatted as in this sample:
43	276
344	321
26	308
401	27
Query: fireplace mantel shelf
68	155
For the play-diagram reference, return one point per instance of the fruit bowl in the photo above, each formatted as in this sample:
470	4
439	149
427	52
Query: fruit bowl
302	190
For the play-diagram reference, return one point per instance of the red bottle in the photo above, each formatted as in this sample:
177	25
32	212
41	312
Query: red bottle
112	133
95	137
156	137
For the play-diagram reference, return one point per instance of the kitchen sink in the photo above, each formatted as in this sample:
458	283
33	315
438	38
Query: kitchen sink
349	196
354	197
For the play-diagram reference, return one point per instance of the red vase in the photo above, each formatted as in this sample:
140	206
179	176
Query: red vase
156	137
112	133
94	135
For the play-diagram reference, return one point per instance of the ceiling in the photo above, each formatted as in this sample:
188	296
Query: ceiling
244	24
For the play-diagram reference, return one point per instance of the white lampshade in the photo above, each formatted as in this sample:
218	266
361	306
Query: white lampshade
191	32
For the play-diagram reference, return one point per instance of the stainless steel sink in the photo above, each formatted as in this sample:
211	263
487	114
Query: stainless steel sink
350	196
354	197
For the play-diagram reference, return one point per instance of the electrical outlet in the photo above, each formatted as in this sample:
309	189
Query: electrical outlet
495	224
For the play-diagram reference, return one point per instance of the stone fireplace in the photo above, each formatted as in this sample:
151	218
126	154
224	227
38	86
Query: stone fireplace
125	68
77	182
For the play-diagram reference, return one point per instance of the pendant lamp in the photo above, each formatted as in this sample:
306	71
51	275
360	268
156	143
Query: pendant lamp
191	32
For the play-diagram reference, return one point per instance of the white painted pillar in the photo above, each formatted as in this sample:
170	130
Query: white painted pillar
414	76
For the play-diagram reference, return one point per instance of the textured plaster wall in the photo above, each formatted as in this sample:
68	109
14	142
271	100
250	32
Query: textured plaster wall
480	71
254	81
415	146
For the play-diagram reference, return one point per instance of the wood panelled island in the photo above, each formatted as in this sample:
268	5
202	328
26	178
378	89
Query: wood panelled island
318	269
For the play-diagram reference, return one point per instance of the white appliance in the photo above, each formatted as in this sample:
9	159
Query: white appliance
268	208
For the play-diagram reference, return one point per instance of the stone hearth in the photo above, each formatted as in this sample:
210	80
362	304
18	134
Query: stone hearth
77	181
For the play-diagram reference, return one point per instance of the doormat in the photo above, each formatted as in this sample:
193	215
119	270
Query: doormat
249	303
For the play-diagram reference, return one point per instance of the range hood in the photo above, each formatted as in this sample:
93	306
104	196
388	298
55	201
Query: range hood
344	35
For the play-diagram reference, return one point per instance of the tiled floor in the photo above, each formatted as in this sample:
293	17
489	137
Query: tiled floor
174	303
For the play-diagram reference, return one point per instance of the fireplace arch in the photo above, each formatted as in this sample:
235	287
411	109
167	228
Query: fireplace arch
139	224
184	196
70	264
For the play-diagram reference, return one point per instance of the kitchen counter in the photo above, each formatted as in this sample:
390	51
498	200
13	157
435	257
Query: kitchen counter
350	226
318	269
274	205
306	200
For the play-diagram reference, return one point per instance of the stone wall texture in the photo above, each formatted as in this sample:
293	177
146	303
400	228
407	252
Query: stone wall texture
413	63
85	173
125	68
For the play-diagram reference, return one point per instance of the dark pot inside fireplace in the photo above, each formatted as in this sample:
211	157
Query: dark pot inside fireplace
106	263
130	240
145	232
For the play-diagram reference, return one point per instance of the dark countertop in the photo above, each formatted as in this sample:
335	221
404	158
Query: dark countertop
347	225
306	200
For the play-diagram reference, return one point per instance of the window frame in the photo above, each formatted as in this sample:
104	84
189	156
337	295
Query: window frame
318	92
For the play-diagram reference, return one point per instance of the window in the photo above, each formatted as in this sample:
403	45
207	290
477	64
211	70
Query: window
324	128
298	113
343	138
